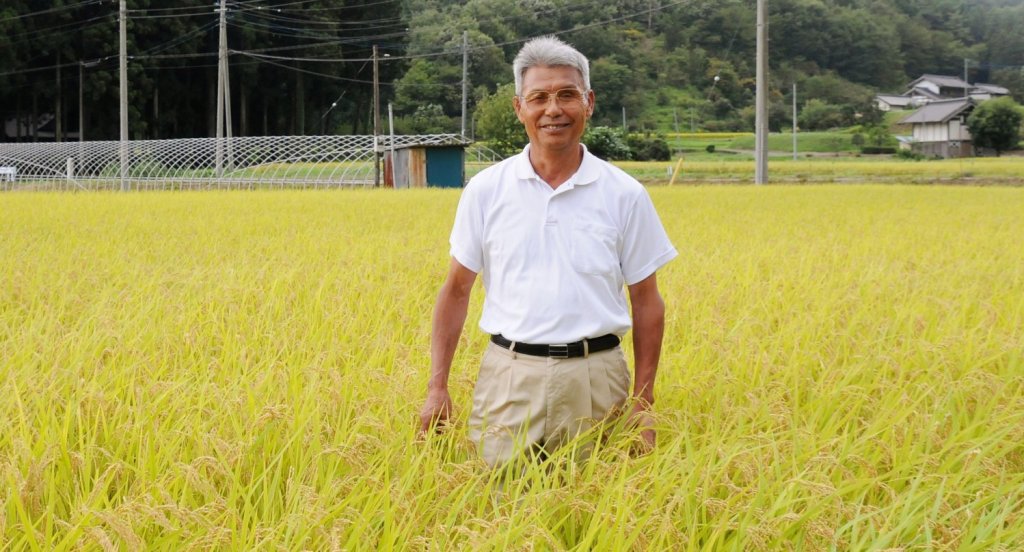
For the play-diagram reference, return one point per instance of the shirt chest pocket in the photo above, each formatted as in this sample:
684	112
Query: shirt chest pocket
594	248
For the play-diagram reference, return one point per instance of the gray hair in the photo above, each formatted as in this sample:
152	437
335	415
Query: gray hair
548	51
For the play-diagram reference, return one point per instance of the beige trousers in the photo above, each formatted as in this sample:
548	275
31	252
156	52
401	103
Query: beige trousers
526	403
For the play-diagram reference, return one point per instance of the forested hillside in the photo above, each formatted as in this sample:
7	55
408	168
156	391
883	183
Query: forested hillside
306	67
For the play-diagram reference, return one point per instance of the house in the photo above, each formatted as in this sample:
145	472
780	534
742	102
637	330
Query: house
983	91
923	90
940	128
889	102
939	87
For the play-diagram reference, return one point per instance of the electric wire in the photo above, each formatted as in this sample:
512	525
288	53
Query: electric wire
83	4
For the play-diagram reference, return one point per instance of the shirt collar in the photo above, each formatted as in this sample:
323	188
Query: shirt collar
587	173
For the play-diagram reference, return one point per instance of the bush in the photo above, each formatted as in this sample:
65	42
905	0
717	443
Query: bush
909	155
876	150
606	143
649	148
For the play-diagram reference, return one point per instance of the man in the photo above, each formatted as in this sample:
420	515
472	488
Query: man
556	233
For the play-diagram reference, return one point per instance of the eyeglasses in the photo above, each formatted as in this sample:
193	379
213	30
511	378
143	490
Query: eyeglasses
564	97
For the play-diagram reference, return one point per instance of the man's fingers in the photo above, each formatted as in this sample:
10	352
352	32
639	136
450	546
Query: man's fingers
436	418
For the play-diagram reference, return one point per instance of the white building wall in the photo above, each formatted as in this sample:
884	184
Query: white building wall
930	86
931	132
959	131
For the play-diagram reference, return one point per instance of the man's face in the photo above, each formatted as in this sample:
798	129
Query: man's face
554	107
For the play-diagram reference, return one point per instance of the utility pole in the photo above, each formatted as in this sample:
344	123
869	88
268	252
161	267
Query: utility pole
465	78
624	129
124	94
761	101
376	119
391	142
675	118
222	51
794	121
227	102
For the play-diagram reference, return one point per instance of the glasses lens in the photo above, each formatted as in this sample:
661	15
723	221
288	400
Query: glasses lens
565	96
569	95
538	98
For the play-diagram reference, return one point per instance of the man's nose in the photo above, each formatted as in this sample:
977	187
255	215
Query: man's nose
553	106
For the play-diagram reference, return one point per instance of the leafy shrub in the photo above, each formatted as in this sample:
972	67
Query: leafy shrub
875	150
606	143
649	148
909	155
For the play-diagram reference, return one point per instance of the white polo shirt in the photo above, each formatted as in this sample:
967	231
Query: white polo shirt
554	262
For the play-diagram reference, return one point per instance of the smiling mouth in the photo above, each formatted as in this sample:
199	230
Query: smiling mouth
555	127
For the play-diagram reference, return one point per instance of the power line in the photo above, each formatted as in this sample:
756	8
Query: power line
265	14
473	48
38	33
52	10
244	3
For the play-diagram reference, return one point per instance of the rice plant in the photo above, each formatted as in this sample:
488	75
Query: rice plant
843	370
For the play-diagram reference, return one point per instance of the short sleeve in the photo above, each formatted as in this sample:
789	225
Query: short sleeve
645	245
467	231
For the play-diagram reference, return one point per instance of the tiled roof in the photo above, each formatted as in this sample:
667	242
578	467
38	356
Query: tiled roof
941	80
894	99
917	91
938	111
990	88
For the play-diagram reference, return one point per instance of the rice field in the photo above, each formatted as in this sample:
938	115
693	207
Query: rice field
738	168
726	168
843	370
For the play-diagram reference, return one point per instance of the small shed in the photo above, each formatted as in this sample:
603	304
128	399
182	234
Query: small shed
940	128
425	165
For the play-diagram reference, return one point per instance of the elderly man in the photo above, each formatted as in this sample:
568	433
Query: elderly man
557	233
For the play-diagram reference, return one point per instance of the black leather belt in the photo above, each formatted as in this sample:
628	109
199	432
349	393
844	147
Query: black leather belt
564	350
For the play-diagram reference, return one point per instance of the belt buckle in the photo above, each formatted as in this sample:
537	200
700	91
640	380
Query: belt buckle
558	351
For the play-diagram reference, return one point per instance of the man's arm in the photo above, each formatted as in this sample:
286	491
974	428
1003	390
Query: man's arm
449	318
648	329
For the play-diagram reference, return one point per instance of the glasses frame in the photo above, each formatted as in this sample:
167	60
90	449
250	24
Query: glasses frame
534	100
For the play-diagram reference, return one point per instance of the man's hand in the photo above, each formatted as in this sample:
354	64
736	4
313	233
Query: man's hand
640	418
449	317
436	411
648	329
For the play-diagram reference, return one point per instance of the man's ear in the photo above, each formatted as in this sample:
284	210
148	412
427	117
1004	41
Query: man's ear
591	98
517	106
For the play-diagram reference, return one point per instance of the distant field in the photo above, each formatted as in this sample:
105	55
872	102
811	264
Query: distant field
815	142
843	369
825	169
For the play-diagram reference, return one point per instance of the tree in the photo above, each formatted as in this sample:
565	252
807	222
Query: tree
497	122
995	124
818	115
